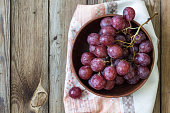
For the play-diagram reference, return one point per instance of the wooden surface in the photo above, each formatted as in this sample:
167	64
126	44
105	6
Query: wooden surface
4	56
33	47
29	54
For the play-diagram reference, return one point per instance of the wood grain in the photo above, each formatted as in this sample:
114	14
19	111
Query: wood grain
61	12
4	56
29	53
165	56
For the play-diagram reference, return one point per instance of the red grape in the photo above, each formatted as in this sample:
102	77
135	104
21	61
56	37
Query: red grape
106	22
125	53
143	72
100	51
97	82
93	39
130	57
108	30
130	74
122	67
140	37
85	72
116	62
119	80
92	48
106	40
118	22
114	51
97	64
129	13
142	59
133	80
75	92
86	58
128	39
145	47
109	73
109	84
136	49
121	38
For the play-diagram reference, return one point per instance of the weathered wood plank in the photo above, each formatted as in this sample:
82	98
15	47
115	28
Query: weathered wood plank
4	56
29	55
61	12
154	6
165	55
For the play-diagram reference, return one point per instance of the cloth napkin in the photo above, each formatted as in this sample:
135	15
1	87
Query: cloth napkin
142	101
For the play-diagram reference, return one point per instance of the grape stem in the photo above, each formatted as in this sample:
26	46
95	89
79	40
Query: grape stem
131	44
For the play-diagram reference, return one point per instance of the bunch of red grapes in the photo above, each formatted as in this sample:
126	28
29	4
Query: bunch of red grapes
117	54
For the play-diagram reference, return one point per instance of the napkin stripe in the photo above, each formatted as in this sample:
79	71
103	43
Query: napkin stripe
128	104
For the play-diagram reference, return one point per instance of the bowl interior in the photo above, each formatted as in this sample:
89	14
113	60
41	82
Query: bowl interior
80	46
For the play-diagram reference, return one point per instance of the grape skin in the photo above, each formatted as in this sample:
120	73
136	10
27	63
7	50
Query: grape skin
118	22
145	46
93	39
100	51
142	59
75	92
85	72
114	51
106	22
109	85
119	80
97	82
109	73
106	40
129	13
108	30
143	72
122	67
86	58
97	64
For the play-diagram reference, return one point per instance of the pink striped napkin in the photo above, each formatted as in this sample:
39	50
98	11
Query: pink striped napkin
142	101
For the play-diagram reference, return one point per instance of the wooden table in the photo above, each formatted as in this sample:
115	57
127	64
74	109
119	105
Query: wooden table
33	46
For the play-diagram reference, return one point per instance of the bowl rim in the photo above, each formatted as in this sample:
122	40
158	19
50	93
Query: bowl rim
111	96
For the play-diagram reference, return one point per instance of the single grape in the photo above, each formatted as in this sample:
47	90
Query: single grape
108	30
130	74
106	40
128	39
121	38
116	62
92	48
130	57
97	82
129	13
142	59
127	25
145	46
109	73
133	80
125	53
114	51
106	22
75	92
122	67
109	85
97	64
118	22
140	37
100	51
119	80
136	49
93	39
86	58
143	72
85	72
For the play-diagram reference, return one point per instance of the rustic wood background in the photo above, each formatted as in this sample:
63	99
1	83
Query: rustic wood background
33	46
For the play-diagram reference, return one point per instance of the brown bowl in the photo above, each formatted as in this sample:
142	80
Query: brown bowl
80	45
